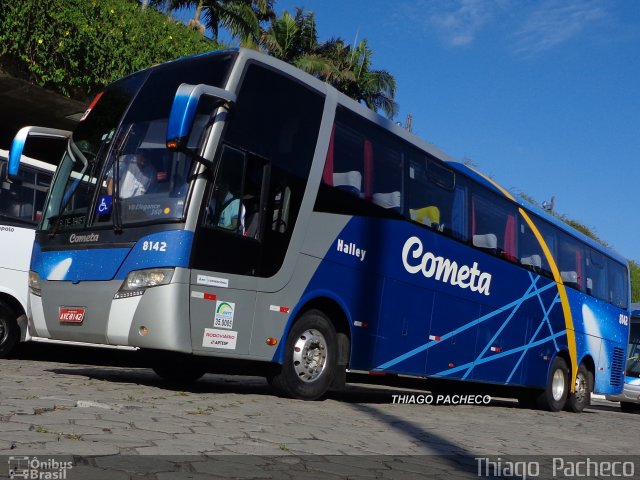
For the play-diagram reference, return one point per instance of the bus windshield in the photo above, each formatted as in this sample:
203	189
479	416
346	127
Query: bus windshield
117	170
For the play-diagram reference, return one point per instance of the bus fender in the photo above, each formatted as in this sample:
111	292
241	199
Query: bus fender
306	299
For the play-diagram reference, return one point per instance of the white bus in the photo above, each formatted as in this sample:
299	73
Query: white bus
21	202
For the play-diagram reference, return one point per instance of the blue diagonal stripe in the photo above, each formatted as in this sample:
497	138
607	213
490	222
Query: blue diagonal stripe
503	326
464	327
544	321
501	354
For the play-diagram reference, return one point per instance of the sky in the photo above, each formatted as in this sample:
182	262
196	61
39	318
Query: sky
543	96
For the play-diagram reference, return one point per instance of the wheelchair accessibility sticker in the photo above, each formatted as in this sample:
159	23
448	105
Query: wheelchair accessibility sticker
104	205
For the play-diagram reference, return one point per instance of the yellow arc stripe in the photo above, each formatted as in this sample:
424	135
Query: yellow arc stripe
564	300
494	183
562	291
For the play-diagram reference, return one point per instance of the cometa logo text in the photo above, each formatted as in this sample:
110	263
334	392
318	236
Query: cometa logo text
92	237
442	269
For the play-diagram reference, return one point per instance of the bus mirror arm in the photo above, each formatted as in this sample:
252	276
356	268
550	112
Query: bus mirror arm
184	108
19	141
191	153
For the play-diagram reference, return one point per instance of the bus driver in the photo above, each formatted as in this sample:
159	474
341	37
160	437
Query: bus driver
137	176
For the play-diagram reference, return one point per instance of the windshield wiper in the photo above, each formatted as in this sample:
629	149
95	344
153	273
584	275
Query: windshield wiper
115	217
89	165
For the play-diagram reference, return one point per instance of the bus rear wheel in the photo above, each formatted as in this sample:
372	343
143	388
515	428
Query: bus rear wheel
9	330
554	396
309	358
581	398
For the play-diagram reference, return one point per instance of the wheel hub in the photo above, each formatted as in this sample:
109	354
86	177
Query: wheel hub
4	331
310	355
557	385
581	388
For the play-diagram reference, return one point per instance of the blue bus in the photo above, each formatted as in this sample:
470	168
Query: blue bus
228	211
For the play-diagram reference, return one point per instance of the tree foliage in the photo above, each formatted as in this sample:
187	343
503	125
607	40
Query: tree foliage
241	18
294	39
349	70
77	46
291	38
635	280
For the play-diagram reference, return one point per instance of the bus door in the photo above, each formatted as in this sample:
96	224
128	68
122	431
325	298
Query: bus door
227	254
247	220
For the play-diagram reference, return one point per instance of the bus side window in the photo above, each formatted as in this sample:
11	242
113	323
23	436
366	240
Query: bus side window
281	201
224	206
236	200
493	222
346	161
530	252
570	259
22	200
435	200
597	275
617	284
387	174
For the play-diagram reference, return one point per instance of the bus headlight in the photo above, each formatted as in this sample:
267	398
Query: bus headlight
34	283
139	280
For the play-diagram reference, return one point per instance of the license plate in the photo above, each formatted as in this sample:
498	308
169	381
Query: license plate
71	315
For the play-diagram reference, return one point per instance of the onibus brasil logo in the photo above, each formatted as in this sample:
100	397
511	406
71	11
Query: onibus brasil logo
36	469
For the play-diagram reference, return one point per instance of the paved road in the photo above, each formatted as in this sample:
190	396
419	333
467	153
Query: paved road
122	421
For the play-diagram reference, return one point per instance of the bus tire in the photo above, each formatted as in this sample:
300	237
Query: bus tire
9	330
310	354
581	398
554	396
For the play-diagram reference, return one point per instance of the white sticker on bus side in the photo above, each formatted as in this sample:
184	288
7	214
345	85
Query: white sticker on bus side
214	338
224	314
213	281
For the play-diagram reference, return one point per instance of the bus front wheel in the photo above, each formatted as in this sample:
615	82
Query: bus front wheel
554	396
581	398
9	330
309	359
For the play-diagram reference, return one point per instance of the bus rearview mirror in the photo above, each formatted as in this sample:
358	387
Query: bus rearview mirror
20	140
184	108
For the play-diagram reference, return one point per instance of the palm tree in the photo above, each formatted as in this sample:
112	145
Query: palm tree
241	17
291	38
294	39
376	88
